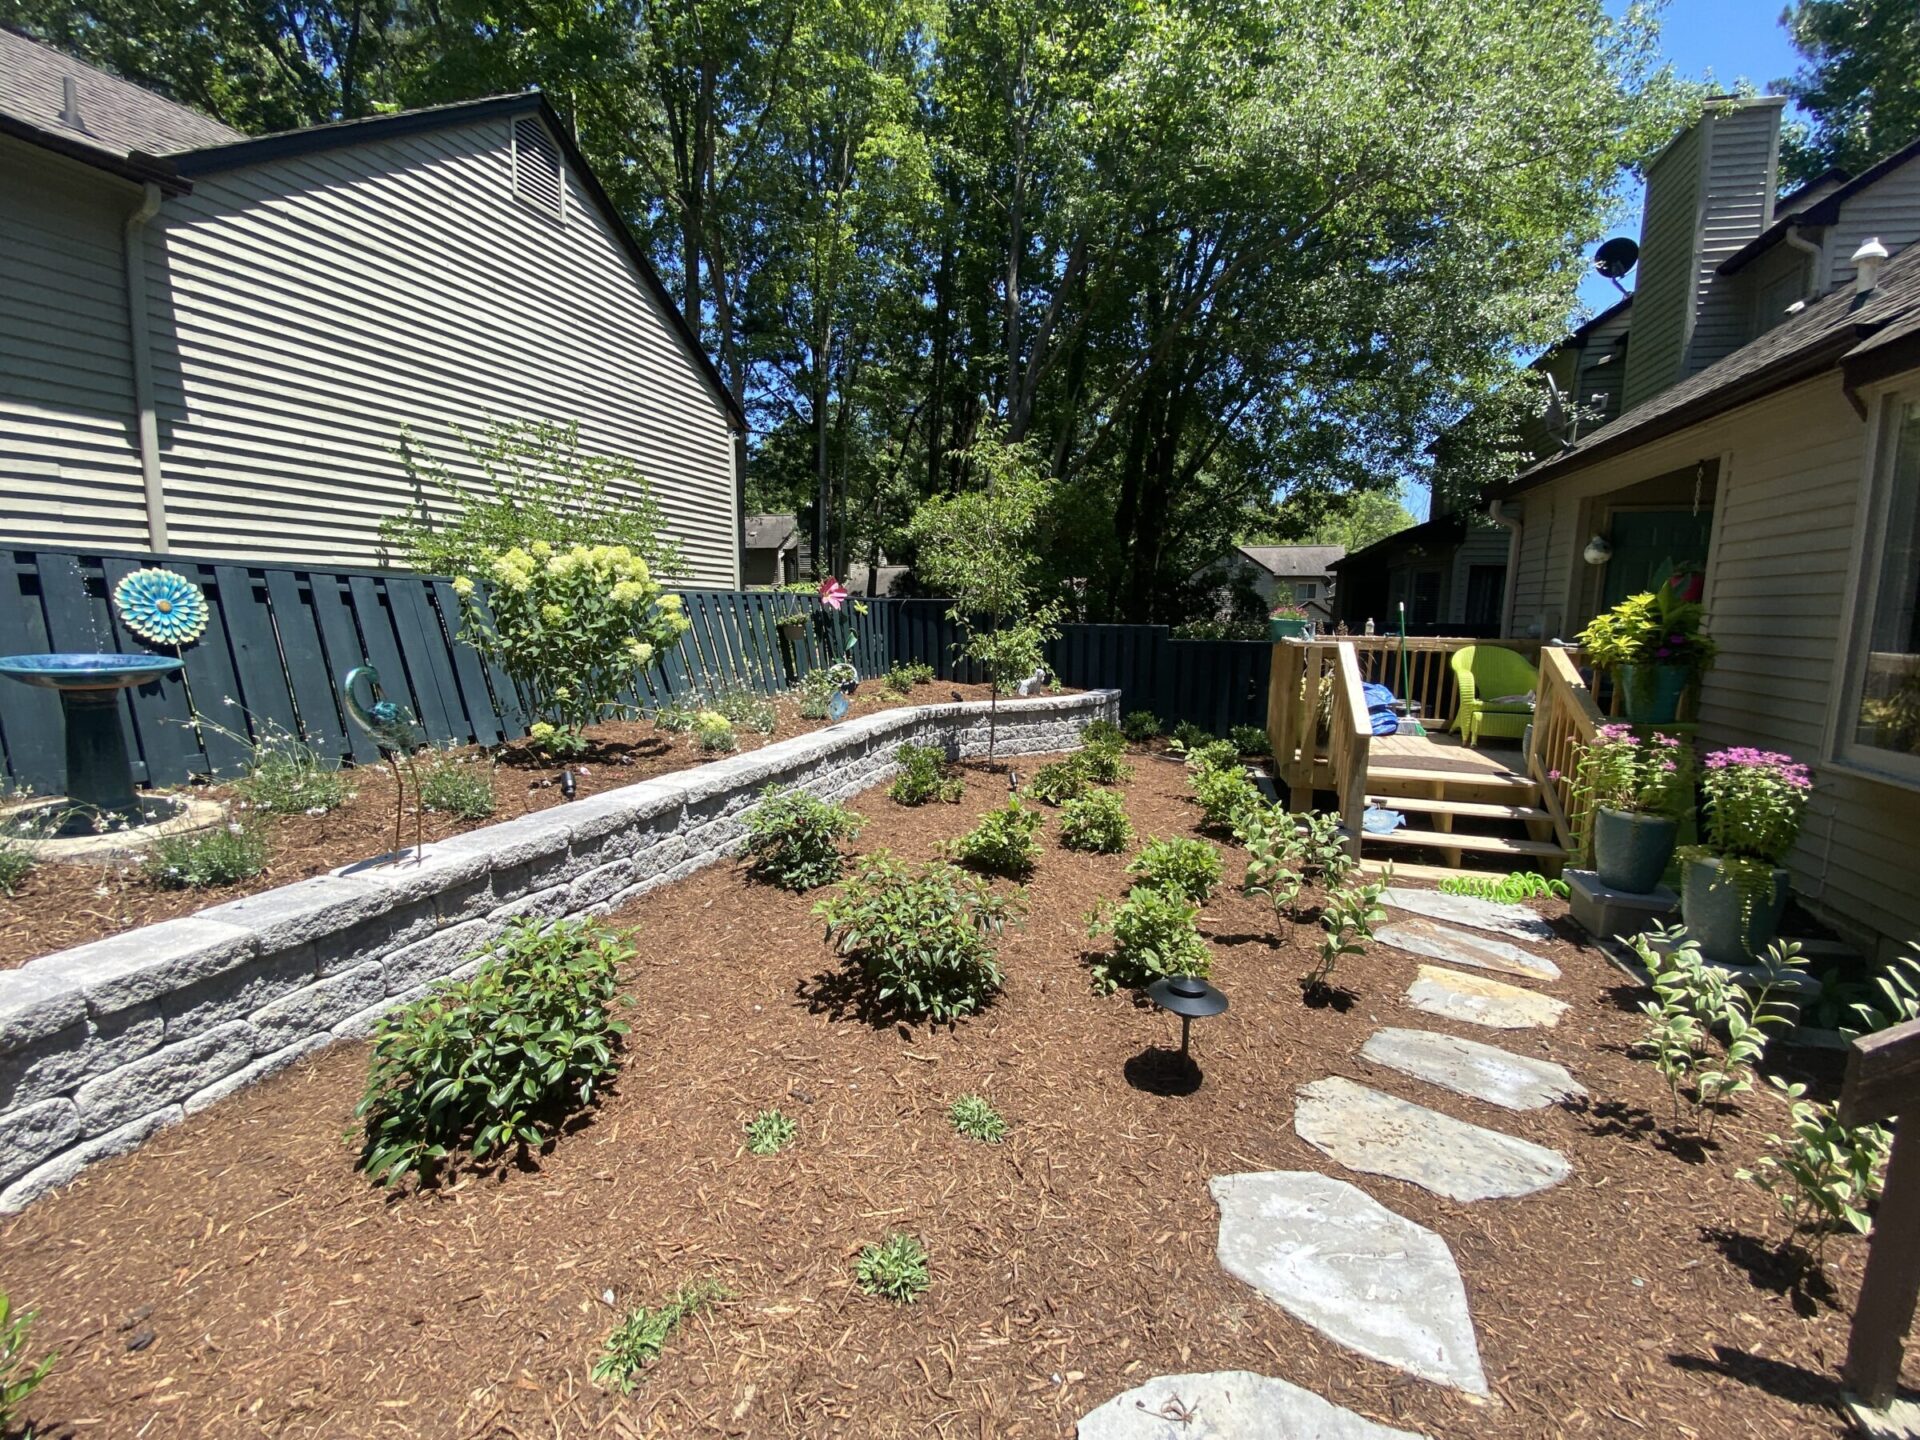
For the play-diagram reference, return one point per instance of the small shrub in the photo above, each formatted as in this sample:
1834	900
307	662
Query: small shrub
493	1060
1096	821
1140	726
286	777
816	691
769	1132
901	678
1101	761
1505	889
203	859
637	1341
1250	740
924	937
1153	935
1223	795
16	863
1059	782
1347	919
974	1118
794	838
1213	754
1824	1174
1002	843
923	777
459	785
19	1377
1285	851
1102	731
895	1269
676	717
714	732
1183	867
746	709
1189	736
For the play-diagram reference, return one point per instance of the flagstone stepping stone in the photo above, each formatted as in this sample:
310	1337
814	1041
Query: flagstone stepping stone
1227	1405
1335	1258
1380	1134
1515	921
1466	1067
1480	1001
1464	947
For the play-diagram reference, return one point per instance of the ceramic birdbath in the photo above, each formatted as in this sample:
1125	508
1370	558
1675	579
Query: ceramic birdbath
99	772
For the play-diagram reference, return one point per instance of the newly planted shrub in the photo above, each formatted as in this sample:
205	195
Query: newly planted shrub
1506	889
19	1376
1153	935
895	1269
1059	782
1824	1174
1101	761
1250	740
286	777
1189	736
769	1132
1002	843
901	678
498	1058
1102	731
1183	867
224	855
1211	754
1140	726
1223	794
1097	821
794	838
456	784
714	732
974	1118
923	777
638	1340
1347	919
923	936
676	717
1287	851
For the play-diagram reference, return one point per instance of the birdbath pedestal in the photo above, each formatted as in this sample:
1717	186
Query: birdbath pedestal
99	771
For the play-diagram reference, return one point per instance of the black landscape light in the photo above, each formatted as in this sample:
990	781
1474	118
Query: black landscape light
567	786
1189	997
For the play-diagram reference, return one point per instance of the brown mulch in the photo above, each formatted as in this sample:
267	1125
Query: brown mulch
238	1277
61	905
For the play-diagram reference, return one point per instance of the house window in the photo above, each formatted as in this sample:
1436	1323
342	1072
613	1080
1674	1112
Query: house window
538	179
1881	726
1306	590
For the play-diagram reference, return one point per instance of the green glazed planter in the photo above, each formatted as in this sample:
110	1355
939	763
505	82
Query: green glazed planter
1278	629
1631	851
1711	905
1652	692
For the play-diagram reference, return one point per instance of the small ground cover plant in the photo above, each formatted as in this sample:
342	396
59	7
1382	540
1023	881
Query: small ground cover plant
204	859
1140	726
1250	740
714	732
1347	921
285	776
1506	889
1153	935
924	936
794	838
816	691
895	1269
676	717
1058	782
923	777
746	709
638	1341
976	1119
1096	822
19	1376
456	784
1180	866
495	1060
1002	843
770	1132
901	678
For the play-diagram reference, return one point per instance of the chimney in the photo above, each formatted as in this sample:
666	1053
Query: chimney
1867	261
70	103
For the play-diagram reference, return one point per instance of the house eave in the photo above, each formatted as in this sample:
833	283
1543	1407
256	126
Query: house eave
135	167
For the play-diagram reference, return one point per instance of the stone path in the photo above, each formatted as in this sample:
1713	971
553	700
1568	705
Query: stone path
1466	1067
1464	947
1380	1134
1336	1259
1227	1405
1480	1001
1516	922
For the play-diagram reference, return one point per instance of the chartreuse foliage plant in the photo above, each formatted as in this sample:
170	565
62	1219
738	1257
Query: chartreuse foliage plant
1140	726
770	1132
1153	935
895	1269
1096	822
1180	866
974	1118
923	776
498	1059
714	733
794	838
19	1376
1002	843
1506	889
638	1340
570	626
925	937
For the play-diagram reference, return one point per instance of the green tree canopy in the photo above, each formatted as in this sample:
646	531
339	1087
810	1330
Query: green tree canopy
1860	83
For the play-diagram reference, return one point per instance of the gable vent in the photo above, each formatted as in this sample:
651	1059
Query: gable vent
537	176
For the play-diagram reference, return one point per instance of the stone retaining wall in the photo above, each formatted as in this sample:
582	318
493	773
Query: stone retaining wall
105	1044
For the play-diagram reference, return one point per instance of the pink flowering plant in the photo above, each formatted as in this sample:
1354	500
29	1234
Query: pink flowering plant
1619	770
1755	800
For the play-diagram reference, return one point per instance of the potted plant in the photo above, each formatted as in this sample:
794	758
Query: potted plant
1287	622
1655	648
1636	789
1733	891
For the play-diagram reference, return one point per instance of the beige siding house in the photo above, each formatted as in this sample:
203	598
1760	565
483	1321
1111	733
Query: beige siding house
1795	460
281	307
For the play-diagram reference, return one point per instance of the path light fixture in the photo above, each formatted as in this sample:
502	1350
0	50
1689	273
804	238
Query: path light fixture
1189	997
568	786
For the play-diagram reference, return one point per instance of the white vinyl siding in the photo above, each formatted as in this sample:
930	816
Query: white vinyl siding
1741	167
305	309
1887	210
1663	288
69	462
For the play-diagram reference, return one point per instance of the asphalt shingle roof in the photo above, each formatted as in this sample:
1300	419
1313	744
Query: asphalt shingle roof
1294	562
117	117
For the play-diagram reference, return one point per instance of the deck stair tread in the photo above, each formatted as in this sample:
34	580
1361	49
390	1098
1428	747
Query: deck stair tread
1467	809
1459	840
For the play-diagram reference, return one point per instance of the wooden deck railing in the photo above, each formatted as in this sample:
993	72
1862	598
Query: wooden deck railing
1350	734
1317	724
1565	718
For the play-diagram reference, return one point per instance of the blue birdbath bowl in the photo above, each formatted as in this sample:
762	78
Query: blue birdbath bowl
99	773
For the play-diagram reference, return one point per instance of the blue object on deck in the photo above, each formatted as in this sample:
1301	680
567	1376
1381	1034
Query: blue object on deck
1380	702
1380	821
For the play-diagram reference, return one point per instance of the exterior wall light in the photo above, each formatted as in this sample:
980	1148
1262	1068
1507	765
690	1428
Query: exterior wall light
1599	550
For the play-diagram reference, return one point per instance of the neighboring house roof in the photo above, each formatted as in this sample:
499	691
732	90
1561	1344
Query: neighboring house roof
1838	327
1293	562
1442	530
771	532
1811	205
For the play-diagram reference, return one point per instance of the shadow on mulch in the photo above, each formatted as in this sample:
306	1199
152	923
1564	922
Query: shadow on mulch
1161	1070
525	755
1776	1377
1319	995
1614	1117
1790	1269
849	995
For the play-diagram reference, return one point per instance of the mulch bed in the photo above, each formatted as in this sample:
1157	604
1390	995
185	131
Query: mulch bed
237	1276
67	904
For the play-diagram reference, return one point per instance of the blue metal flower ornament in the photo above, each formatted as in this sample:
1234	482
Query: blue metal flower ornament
161	607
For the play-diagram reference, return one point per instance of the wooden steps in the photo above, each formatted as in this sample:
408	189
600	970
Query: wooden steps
1389	780
1454	841
1471	809
1463	804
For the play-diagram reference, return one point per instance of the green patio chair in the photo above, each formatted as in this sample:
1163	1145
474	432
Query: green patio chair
1489	677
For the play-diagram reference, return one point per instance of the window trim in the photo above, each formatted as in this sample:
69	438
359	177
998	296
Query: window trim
1868	558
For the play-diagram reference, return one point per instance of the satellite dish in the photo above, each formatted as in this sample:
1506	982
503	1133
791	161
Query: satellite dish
1615	258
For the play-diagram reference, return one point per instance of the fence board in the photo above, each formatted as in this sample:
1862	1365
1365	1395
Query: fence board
468	671
162	711
421	647
333	610
214	687
313	692
264	691
29	716
381	644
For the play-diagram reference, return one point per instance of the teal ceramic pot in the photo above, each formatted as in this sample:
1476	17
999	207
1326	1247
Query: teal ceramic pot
1711	905
1631	852
1279	629
1652	692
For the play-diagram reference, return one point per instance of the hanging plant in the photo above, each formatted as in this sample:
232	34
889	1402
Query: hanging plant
161	607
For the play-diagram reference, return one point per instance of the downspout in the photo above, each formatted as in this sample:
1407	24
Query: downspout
1497	512
1816	282
141	354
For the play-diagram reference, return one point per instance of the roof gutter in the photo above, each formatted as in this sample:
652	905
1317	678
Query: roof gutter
139	168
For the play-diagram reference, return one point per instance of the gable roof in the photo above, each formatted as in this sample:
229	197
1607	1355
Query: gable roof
1805	208
116	116
1446	529
770	532
1293	562
1839	326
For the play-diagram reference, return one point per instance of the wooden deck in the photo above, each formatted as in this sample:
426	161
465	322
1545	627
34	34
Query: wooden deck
1444	753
